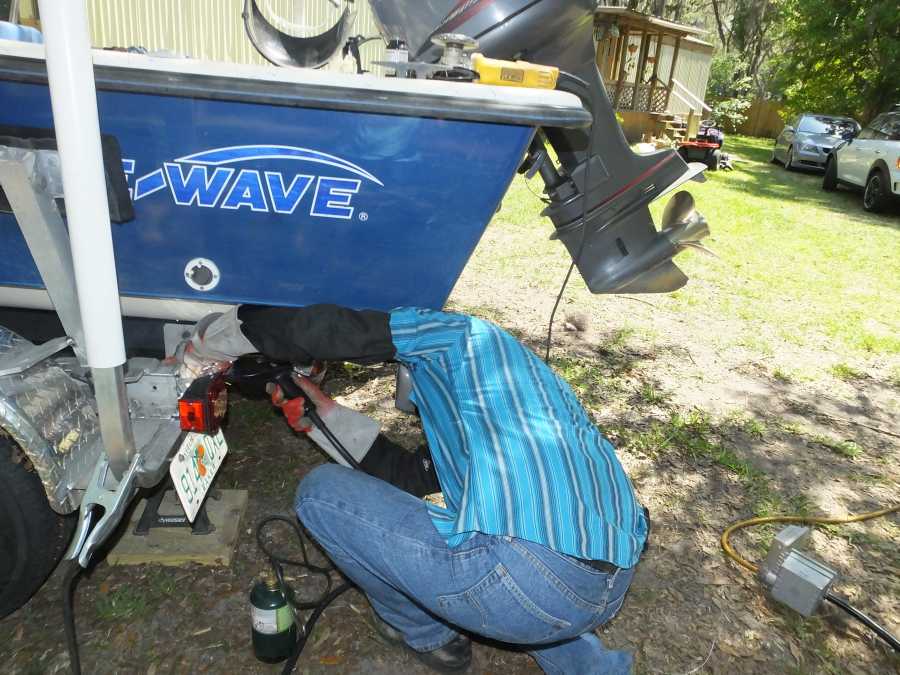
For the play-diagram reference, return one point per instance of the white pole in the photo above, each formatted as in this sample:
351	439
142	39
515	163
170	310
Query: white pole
70	72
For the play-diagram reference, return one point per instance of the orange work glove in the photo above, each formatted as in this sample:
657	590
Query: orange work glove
293	409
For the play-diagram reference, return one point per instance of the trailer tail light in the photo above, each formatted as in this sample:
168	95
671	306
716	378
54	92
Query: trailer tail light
202	407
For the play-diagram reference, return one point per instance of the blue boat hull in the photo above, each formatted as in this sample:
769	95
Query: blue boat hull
286	205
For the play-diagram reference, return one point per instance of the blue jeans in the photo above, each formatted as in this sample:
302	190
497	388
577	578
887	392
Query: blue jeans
503	588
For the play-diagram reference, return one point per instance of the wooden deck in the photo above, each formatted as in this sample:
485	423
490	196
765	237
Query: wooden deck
646	97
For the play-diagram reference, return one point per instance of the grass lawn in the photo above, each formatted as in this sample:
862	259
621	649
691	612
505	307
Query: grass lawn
769	384
796	264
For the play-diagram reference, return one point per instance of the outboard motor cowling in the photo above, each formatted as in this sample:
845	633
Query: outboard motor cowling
600	192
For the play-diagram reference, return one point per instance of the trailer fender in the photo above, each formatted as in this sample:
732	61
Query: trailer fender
53	419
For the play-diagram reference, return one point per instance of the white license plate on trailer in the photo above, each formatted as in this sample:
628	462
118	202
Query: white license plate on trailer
193	468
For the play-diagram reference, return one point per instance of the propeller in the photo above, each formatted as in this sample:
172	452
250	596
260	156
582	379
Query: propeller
684	225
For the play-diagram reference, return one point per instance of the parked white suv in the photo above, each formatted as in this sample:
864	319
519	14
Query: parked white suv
870	161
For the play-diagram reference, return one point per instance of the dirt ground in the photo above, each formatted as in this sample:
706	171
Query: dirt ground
709	432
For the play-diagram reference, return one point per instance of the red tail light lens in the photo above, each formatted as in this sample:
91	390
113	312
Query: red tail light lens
203	406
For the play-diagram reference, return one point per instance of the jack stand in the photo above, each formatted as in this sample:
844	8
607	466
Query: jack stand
151	519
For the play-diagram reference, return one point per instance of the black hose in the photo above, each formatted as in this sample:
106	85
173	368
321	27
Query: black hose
69	582
577	257
859	616
303	635
317	605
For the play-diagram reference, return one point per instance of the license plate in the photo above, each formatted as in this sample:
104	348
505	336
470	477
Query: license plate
193	468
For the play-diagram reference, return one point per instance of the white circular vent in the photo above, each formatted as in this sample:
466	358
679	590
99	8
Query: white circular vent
202	274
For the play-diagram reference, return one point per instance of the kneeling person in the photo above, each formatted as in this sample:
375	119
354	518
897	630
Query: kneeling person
535	533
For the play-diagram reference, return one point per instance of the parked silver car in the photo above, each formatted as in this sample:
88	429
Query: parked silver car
808	139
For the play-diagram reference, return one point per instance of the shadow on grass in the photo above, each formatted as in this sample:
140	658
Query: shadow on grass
805	185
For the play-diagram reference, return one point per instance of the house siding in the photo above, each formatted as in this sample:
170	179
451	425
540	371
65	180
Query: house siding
212	30
692	68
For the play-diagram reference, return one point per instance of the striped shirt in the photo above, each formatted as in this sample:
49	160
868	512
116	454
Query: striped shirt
515	452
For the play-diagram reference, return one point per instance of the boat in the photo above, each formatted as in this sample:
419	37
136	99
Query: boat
288	186
229	184
284	186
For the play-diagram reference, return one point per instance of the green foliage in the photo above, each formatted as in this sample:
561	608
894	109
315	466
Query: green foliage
122	603
649	393
731	113
846	372
136	600
782	376
844	448
727	77
729	90
841	56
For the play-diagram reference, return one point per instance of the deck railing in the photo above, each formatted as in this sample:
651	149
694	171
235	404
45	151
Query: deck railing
694	102
650	96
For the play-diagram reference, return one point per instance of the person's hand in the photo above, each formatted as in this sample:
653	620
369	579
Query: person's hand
195	364
293	409
215	342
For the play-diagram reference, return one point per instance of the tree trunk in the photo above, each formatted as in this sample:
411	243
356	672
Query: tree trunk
719	25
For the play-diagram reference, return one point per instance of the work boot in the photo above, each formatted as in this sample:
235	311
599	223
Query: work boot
453	657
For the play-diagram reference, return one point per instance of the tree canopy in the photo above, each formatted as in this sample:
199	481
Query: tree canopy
828	56
843	56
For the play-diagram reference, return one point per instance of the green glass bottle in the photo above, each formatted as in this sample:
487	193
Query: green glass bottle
274	630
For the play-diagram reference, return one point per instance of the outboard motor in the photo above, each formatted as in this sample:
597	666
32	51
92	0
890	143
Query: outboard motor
599	193
412	21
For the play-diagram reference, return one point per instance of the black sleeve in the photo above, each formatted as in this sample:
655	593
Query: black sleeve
412	472
319	332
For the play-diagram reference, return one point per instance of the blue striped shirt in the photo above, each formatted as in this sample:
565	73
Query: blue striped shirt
515	452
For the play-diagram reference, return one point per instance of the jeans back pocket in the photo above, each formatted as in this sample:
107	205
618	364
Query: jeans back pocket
498	608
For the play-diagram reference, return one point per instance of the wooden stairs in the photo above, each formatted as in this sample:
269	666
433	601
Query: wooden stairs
670	125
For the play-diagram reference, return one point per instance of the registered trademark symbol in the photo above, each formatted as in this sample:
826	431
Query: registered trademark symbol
363	216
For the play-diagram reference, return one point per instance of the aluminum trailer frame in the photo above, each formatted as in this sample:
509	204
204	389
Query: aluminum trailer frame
94	434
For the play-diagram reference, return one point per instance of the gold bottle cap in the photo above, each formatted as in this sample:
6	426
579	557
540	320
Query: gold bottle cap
268	578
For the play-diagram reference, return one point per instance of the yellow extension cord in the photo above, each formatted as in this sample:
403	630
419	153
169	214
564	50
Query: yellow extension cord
798	520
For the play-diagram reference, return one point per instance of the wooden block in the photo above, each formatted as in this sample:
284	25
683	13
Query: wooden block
177	546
